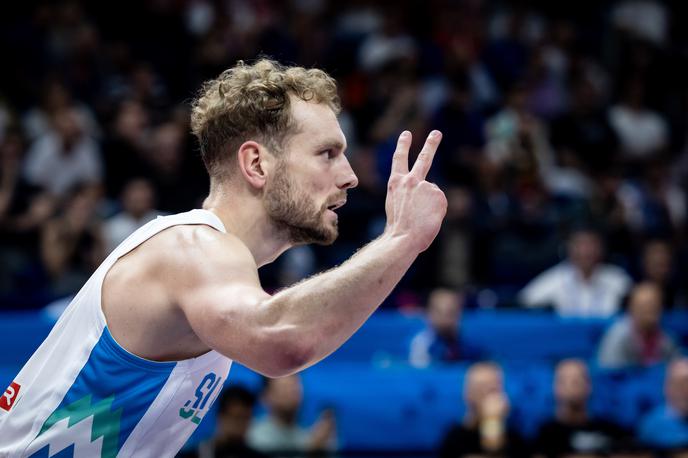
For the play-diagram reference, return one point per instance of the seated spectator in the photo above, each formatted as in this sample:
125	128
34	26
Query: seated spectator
56	97
440	341
667	425
658	266
637	339
484	428
63	157
24	210
581	285
573	429
279	430
585	131
173	171
642	132
126	145
72	243
138	201
233	421
654	202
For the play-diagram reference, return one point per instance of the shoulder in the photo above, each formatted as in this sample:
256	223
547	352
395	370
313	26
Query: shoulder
188	257
658	419
547	282
659	414
619	330
612	273
424	337
199	253
621	326
550	426
607	427
261	427
555	272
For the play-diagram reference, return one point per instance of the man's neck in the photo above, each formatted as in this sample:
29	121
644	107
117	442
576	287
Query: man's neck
447	336
569	413
647	333
245	218
586	274
286	420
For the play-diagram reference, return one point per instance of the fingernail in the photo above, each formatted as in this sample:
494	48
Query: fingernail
435	133
405	133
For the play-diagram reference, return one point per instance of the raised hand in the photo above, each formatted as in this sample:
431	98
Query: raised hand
415	207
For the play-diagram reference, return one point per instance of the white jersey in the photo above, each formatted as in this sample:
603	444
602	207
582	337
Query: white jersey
82	395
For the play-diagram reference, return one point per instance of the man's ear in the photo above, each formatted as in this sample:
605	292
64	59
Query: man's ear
255	161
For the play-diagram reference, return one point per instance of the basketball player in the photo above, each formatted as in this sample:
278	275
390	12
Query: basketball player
141	353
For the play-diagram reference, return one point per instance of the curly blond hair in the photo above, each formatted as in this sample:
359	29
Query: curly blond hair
252	102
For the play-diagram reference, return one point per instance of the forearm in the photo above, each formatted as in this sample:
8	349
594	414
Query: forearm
325	310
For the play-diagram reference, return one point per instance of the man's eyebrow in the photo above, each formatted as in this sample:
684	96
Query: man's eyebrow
331	144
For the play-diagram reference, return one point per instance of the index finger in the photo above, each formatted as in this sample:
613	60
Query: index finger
400	158
424	160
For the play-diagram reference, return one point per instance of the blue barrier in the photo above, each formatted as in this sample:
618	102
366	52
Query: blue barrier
504	335
373	391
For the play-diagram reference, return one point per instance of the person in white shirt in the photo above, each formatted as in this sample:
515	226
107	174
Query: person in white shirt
64	157
638	338
279	430
138	200
581	285
642	132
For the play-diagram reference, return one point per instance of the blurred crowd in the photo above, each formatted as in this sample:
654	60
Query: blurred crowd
555	119
573	427
564	158
636	339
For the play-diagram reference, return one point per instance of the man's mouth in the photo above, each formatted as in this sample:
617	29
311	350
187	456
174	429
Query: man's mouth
336	205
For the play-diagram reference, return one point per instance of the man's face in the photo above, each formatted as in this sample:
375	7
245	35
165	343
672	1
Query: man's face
68	125
657	262
585	250
284	395
571	384
138	197
235	420
481	382
646	307
444	309
311	177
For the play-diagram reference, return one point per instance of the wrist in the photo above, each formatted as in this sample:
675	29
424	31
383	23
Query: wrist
402	243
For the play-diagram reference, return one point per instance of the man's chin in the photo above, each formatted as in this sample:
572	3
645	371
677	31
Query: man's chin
323	239
319	236
328	241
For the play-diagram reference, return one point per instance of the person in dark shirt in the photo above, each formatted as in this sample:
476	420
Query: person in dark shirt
659	265
484	429
440	341
639	339
234	419
573	429
666	426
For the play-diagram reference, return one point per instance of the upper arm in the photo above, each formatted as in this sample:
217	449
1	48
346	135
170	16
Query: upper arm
540	290
612	348
216	285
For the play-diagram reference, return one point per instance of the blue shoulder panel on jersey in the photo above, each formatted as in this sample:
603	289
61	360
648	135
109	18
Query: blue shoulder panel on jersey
114	387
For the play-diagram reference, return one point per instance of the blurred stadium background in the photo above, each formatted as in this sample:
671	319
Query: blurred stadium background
559	118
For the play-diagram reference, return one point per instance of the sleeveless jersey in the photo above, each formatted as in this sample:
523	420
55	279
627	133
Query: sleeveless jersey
82	395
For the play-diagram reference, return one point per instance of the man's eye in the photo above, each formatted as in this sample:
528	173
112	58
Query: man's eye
328	153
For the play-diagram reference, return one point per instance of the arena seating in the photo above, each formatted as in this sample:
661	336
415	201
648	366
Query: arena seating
372	389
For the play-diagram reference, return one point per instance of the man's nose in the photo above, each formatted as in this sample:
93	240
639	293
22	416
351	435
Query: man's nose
348	178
